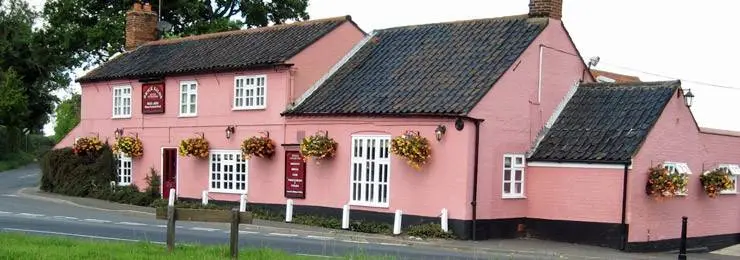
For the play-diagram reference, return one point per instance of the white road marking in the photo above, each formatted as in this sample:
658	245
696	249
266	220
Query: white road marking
203	229
393	244
162	226
65	217
248	232
79	235
322	256
9	195
5	212
28	176
283	235
96	220
131	223
319	237
30	215
357	242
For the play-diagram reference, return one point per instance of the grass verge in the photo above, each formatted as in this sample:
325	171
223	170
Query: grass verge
15	160
22	246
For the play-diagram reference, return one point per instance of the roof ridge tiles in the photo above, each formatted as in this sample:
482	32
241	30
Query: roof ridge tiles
488	19
248	30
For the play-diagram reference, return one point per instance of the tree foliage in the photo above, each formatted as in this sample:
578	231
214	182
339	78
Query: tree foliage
29	60
67	116
94	29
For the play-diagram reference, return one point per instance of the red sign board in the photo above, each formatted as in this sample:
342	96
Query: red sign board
152	98
295	175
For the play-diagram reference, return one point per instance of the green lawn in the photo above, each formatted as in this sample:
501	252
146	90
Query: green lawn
15	160
21	246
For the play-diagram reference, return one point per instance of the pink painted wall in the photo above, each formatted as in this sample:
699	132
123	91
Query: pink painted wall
214	113
442	183
513	116
675	137
311	64
575	194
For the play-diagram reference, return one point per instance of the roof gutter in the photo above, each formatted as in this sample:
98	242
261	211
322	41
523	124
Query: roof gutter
580	161
148	76
624	207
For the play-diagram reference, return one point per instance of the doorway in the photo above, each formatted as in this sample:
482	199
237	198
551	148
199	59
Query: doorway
169	171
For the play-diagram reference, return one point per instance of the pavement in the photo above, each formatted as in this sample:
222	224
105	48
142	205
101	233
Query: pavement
23	208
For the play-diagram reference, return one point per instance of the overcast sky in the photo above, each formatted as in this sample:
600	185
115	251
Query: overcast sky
689	40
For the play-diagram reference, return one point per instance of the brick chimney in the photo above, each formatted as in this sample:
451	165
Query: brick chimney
546	8
141	25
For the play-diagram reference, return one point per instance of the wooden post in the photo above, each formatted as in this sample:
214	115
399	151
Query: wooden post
682	249
171	222
234	241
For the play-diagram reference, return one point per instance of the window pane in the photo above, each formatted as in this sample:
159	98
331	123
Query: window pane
518	160
507	175
518	189
507	162
507	188
518	175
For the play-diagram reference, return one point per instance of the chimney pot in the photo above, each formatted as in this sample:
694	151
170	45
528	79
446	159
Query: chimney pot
141	26
546	8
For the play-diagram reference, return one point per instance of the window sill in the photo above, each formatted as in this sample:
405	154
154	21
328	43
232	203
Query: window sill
121	117
514	197
123	184
368	205
728	193
234	192
186	116
247	108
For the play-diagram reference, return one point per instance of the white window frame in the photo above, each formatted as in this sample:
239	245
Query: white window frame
734	170
124	173
367	185
218	181
188	94
681	168
241	97
512	168
125	101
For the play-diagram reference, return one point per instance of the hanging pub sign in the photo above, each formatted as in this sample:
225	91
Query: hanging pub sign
295	175
152	98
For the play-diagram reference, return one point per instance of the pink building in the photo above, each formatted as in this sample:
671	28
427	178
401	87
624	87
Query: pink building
500	102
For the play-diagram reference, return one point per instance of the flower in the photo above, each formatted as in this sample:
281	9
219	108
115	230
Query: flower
662	183
197	147
318	146
260	146
87	145
413	147
716	181
130	146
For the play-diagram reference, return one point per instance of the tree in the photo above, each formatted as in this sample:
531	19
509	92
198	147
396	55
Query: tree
13	103
68	116
38	65
94	29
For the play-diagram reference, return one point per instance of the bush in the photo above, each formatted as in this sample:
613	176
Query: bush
153	182
15	160
318	221
429	230
370	227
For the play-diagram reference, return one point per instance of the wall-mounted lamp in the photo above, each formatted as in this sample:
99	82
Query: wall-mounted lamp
118	133
229	131
440	131
688	98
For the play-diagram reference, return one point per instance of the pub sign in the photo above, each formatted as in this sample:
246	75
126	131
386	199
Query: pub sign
152	98
295	175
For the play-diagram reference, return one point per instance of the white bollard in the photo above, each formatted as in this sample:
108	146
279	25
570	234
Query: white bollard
204	197
289	211
397	223
172	197
444	222
345	216
243	203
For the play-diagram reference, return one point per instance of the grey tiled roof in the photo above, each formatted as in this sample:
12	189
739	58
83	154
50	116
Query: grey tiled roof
227	51
432	69
605	122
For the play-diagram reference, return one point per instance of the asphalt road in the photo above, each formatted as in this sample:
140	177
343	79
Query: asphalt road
21	214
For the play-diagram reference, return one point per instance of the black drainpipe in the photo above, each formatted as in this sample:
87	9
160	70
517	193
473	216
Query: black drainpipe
475	174
624	205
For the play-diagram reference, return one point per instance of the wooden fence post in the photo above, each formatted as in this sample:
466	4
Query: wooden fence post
234	241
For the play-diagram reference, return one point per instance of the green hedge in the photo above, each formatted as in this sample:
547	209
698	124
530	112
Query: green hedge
65	173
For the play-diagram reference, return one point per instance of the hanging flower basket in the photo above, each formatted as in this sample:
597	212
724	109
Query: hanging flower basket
662	183
197	147
716	181
413	147
87	145
319	146
260	146
131	146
